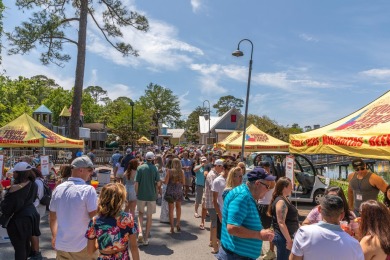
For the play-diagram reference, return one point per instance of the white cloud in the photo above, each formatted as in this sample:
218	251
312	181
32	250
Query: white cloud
196	5
17	65
159	48
307	37
377	73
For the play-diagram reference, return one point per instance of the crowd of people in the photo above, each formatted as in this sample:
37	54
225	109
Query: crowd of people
245	209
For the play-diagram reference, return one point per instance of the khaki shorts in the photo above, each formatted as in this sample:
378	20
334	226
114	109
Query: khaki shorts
188	181
82	255
150	207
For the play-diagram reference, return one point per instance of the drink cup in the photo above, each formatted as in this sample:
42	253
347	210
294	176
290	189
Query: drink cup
94	184
345	226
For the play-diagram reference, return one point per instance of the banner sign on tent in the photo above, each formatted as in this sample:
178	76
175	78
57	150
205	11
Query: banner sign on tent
290	167
1	166
45	165
364	133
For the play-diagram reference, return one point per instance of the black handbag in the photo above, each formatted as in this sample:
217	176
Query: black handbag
5	219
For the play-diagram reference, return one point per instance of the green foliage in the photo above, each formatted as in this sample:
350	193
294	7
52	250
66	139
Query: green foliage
226	102
96	92
1	26
162	100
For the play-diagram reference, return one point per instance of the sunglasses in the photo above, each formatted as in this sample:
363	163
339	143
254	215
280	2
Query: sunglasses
361	168
266	185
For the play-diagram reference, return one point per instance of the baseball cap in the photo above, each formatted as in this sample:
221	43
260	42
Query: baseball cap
149	156
202	159
260	174
82	162
357	162
218	162
22	166
128	150
265	164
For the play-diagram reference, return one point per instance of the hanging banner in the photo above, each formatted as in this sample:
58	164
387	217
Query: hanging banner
290	167
1	166
45	169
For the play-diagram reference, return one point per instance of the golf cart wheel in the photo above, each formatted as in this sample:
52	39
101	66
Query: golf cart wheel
317	196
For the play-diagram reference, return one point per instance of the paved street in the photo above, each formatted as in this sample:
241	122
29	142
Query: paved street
190	243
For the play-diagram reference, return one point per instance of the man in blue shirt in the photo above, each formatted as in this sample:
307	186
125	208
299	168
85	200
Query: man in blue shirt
242	232
199	181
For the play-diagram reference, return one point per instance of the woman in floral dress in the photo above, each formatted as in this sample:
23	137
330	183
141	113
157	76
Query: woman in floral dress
112	231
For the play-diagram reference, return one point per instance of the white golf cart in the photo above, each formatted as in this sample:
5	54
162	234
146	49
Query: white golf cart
310	189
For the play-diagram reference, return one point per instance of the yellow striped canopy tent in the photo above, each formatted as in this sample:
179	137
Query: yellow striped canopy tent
256	140
228	139
25	131
364	133
144	140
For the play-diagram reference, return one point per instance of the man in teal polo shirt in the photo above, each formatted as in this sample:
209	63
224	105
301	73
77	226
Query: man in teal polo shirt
242	232
146	181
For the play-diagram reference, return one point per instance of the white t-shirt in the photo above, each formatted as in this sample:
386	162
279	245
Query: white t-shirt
120	171
72	201
266	200
219	185
325	241
39	183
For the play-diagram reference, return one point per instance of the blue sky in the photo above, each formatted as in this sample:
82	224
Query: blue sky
313	61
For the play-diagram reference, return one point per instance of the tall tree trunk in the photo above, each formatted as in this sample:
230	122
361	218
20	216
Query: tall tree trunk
80	67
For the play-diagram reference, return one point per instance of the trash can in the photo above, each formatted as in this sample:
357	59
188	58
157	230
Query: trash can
104	176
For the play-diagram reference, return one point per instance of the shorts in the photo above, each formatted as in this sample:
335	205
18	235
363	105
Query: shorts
188	178
82	255
120	172
213	217
198	194
265	219
219	228
188	181
130	193
150	206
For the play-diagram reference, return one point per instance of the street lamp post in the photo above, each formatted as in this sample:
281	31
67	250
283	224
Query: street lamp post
209	118
157	118
238	53
132	125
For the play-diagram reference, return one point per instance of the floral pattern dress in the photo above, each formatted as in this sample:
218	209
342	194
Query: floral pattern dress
112	235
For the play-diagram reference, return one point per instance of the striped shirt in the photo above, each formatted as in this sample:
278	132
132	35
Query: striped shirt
208	194
240	210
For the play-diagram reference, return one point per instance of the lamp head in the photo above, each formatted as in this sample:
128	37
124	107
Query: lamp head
206	116
238	53
131	103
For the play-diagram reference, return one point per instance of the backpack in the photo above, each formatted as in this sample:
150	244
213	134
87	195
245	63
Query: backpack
45	200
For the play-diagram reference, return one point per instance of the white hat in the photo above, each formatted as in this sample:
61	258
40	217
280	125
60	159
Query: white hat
22	166
202	159
149	156
218	162
128	150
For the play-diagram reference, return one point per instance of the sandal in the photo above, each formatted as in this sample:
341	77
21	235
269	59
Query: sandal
196	215
172	230
178	228
201	227
214	252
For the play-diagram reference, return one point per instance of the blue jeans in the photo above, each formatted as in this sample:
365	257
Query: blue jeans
282	253
228	255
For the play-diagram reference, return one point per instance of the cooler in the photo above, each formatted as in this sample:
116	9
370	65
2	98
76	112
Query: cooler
103	176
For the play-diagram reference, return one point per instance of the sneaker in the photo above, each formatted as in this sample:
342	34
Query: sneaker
269	255
37	256
141	239
196	215
146	242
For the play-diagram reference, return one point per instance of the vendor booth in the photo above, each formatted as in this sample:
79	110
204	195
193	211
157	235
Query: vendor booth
364	133
228	139
256	140
144	140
